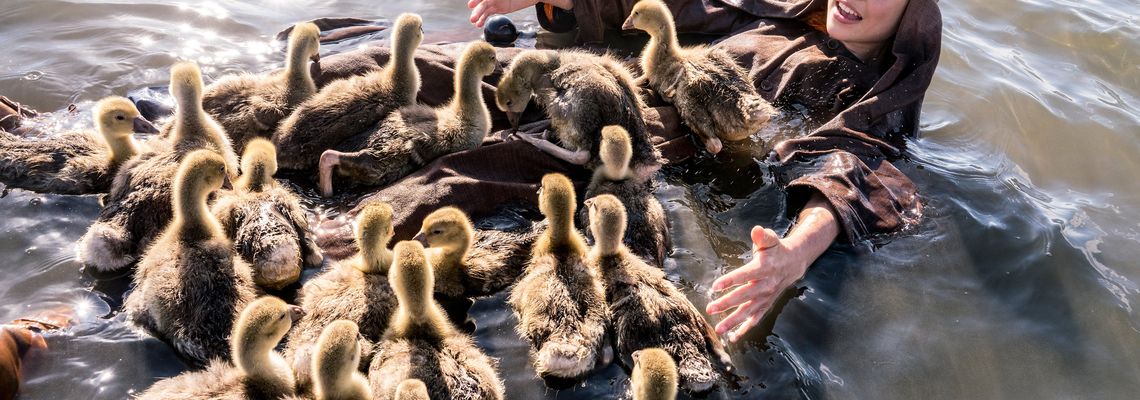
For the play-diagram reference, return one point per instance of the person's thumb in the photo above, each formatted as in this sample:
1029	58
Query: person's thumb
764	238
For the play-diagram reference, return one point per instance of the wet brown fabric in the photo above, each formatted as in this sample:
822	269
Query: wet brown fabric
864	110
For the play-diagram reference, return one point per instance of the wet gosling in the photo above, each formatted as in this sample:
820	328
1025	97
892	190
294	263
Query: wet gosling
190	283
414	135
255	372
81	162
420	331
647	234
654	375
266	222
559	302
138	206
250	106
470	263
350	106
646	309
711	92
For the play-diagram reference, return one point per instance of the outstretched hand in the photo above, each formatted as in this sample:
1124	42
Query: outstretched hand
483	9
777	263
775	266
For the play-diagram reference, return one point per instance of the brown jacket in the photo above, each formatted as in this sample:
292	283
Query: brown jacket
864	112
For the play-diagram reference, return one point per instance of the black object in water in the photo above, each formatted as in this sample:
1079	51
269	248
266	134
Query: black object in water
500	31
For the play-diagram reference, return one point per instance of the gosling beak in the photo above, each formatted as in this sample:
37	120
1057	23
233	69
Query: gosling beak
296	312
635	356
227	184
422	238
316	57
141	125
628	24
514	118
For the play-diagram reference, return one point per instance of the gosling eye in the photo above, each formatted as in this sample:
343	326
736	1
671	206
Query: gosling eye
509	102
120	117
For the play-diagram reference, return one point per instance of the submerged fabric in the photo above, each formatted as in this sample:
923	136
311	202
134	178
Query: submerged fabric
864	111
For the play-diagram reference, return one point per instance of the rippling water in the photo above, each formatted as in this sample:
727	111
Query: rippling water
1020	283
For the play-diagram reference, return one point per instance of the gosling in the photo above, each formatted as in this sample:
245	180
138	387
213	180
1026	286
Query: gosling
356	290
350	106
581	93
654	375
470	263
711	92
559	302
648	229
647	310
256	371
336	363
412	389
413	136
266	222
81	162
420	331
190	283
250	106
138	206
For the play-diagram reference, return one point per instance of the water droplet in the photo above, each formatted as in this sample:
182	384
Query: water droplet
33	75
35	201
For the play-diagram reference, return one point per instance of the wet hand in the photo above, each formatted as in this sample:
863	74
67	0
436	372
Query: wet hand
776	265
483	9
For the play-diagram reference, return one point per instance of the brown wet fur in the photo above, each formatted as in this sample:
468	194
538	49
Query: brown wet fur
559	302
421	343
190	284
648	310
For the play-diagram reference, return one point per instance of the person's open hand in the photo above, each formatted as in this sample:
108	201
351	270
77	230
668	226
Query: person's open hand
483	9
776	264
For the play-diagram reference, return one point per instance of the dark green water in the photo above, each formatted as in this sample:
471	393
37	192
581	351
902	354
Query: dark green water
1018	284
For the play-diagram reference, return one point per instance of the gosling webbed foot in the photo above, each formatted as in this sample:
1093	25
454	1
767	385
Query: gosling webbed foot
329	160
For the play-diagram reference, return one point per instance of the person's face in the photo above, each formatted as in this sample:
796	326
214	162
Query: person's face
863	22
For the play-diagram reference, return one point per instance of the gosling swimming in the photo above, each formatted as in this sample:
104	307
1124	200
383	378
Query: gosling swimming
266	222
470	263
190	283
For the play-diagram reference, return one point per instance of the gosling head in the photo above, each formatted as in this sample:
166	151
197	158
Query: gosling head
518	82
556	198
480	58
412	389
649	15
186	86
335	363
412	279
199	173
654	375
115	116
258	165
607	222
373	231
615	152
259	328
304	43
447	228
408	33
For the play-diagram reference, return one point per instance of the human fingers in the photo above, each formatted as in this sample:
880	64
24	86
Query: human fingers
736	297
473	3
753	318
764	238
483	19
478	12
738	316
739	276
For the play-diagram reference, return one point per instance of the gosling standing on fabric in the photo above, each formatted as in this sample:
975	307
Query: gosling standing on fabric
350	106
559	302
250	106
256	370
139	204
646	309
711	92
191	284
415	135
422	344
82	162
266	222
